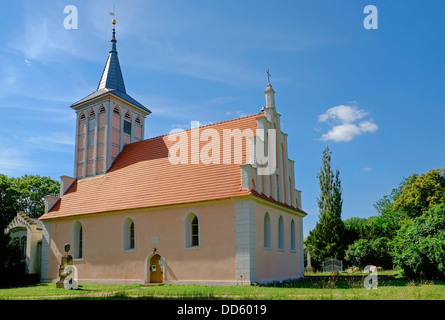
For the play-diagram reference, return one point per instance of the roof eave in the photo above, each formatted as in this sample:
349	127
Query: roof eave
79	104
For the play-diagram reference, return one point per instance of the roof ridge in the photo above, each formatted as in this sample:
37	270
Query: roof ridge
207	125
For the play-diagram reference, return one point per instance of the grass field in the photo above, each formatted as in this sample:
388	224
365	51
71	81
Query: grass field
311	288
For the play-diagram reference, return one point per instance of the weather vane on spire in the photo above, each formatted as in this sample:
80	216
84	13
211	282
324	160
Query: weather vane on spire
112	14
113	39
268	75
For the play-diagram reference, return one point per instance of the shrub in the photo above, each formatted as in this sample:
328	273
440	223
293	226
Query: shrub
365	252
419	248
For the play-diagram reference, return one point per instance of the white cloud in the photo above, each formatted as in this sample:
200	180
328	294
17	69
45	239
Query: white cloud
368	126
342	120
343	132
343	114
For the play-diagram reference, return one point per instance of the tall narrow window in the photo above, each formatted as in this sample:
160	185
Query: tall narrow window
280	233
266	232
91	132
284	173
195	232
127	127
292	236
81	242
278	187
132	235
77	240
23	247
191	231
128	234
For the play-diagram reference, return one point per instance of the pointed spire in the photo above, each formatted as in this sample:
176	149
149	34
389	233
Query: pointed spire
112	81
112	76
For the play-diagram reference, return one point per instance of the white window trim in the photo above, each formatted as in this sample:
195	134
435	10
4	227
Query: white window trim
187	231
75	241
126	235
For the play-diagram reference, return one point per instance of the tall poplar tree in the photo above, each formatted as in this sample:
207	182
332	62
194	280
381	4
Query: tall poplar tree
326	239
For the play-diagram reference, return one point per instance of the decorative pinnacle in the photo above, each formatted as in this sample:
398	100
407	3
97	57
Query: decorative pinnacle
113	39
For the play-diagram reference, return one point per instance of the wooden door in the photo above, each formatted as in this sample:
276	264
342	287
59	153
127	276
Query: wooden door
156	275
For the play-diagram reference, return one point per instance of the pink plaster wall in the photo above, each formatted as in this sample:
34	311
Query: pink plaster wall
105	259
273	263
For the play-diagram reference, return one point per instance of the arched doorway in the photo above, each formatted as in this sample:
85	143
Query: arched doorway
155	268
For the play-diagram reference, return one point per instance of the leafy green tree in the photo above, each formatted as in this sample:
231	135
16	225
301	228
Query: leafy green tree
353	229
326	239
390	218
32	192
365	252
364	228
26	193
419	248
421	192
8	200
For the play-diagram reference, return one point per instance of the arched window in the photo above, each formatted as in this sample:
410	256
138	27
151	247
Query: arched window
77	240
138	120
278	187
263	184
102	109
267	231
195	232
292	236
280	233
128	234
82	116
92	113
116	111
284	173
23	247
191	231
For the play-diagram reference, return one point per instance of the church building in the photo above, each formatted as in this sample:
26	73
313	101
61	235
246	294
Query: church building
179	208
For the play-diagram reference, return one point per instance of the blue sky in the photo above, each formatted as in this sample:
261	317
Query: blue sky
375	97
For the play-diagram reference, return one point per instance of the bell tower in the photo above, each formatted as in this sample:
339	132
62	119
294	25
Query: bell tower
106	120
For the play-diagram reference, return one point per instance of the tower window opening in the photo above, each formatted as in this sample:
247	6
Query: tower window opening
127	127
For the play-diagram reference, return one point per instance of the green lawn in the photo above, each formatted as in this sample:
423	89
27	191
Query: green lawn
307	289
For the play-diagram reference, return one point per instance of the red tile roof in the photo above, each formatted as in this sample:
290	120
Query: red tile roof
142	176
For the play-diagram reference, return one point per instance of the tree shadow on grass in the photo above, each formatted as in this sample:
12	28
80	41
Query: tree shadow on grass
331	282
